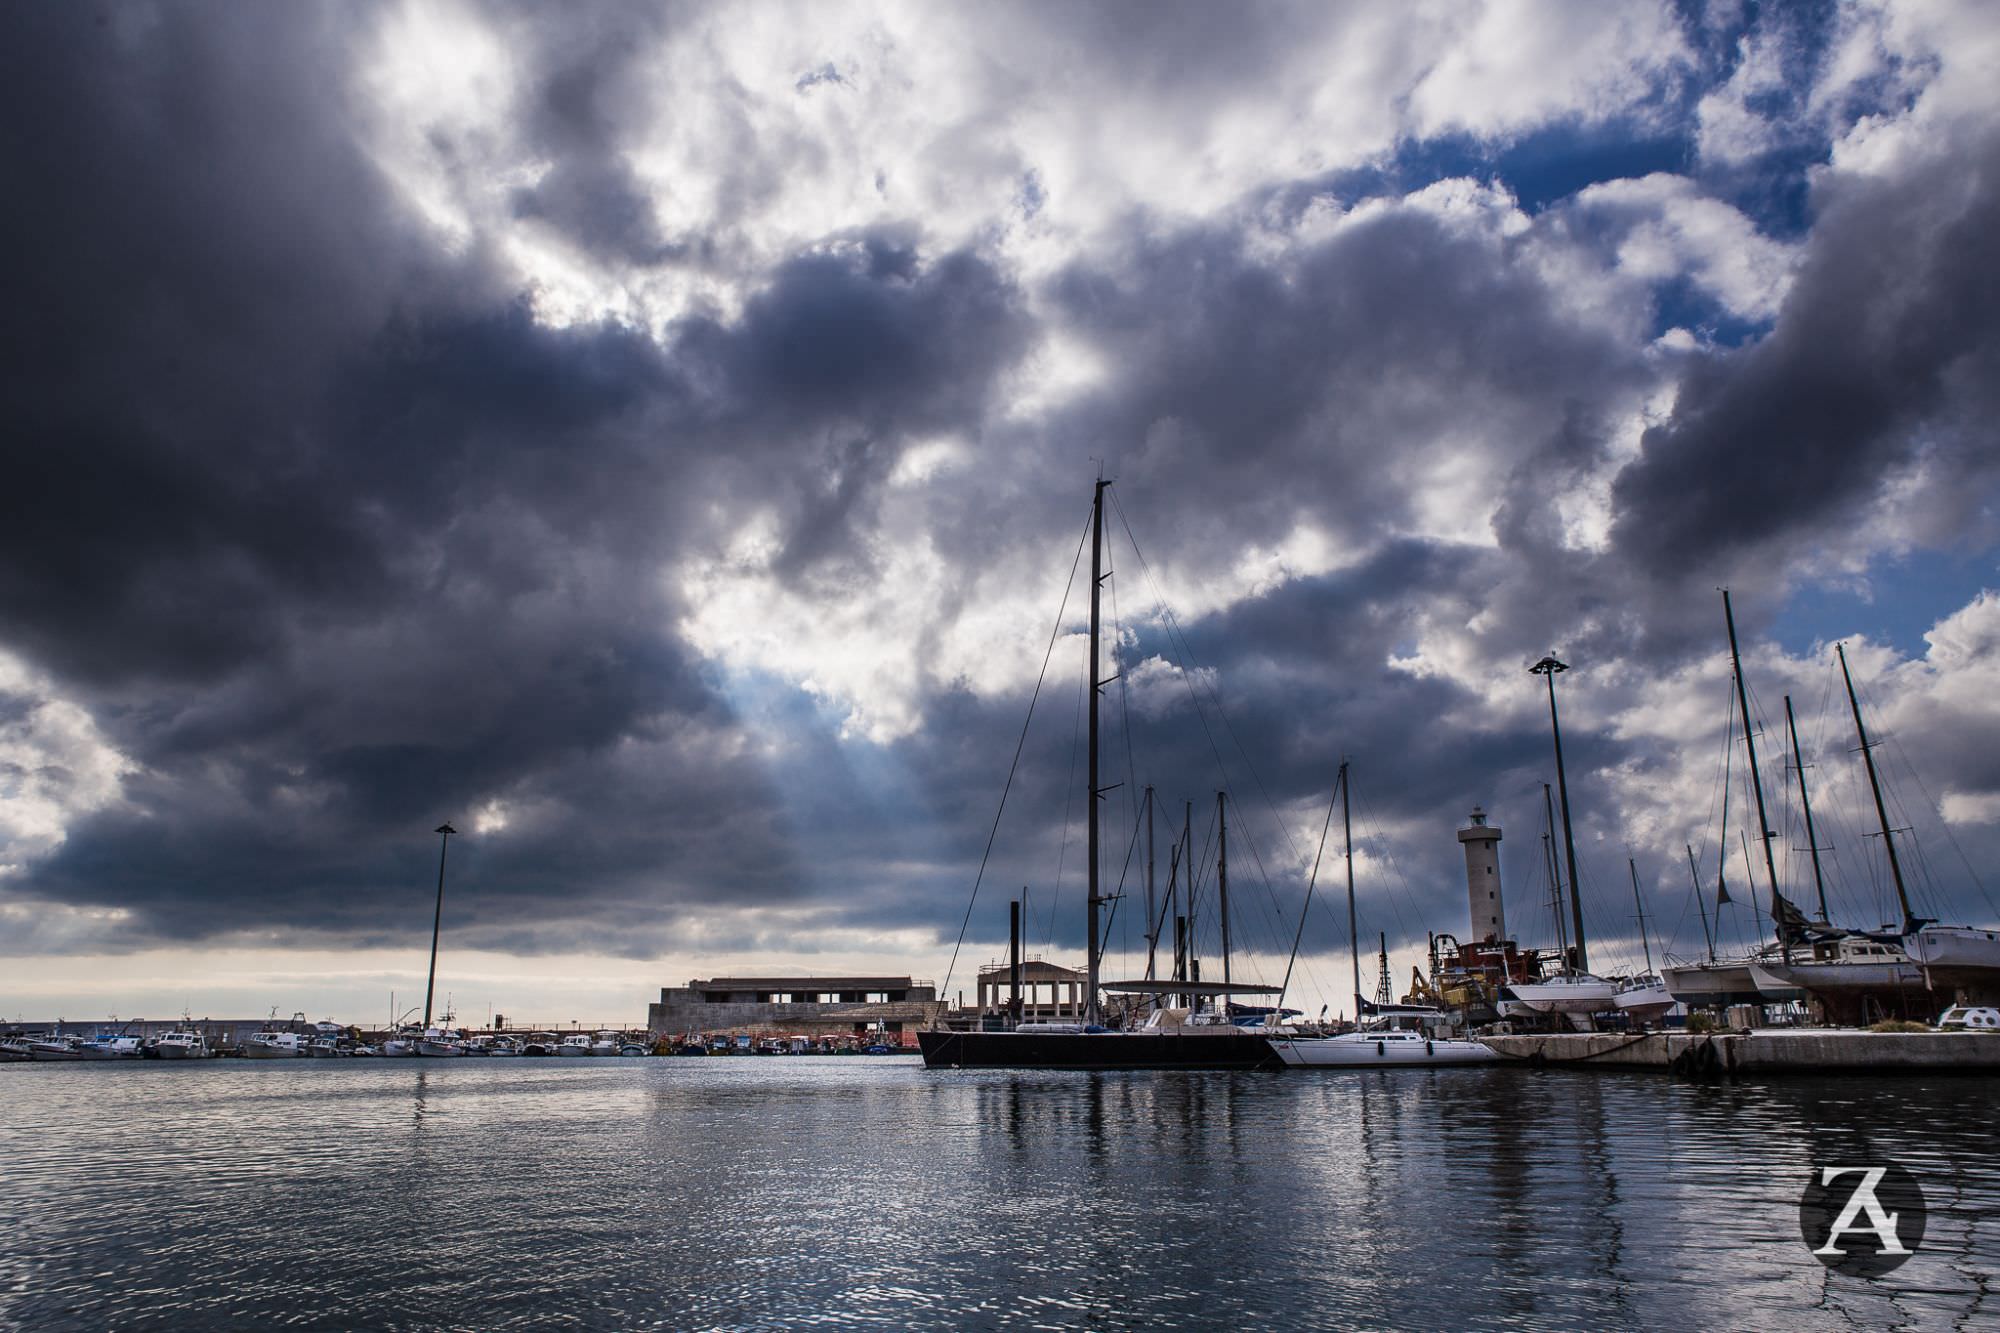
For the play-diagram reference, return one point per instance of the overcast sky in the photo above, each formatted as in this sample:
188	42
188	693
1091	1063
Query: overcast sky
656	440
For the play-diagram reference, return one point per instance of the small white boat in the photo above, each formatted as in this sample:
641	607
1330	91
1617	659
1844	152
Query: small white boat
57	1047
182	1045
540	1043
1969	1018
270	1045
606	1043
1576	996
1644	999
441	1043
1379	1048
14	1048
109	1047
503	1046
404	1042
576	1043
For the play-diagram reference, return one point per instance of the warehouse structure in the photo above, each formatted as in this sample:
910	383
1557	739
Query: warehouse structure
805	1006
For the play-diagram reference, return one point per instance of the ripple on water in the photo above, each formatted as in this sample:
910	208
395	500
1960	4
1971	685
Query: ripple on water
846	1193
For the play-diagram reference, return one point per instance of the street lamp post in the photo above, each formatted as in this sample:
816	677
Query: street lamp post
437	919
1549	667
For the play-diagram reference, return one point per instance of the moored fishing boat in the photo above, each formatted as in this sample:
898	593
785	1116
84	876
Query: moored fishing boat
441	1043
270	1044
56	1046
114	1046
182	1044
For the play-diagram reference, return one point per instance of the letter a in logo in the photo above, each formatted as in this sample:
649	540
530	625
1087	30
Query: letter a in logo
1862	1220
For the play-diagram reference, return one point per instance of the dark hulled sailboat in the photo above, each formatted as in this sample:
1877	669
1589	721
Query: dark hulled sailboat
1168	1040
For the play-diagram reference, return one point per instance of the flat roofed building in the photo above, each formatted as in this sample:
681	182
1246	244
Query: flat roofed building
793	1004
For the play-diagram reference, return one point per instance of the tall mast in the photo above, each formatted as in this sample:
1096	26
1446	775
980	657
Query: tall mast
1549	667
1096	595
1353	929
1633	867
1756	785
1555	875
1187	889
1699	906
1222	883
437	919
1805	803
1152	926
1875	785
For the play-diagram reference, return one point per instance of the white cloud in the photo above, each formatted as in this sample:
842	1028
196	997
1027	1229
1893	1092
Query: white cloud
1664	228
55	766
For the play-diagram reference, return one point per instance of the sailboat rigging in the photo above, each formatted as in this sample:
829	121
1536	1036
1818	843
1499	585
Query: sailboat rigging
1170	1038
1383	1043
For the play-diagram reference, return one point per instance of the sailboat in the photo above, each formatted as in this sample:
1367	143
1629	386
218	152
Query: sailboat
1170	1038
1575	992
1859	975
1382	1043
1643	998
1738	980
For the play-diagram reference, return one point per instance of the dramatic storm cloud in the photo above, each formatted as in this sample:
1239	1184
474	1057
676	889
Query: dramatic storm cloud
657	441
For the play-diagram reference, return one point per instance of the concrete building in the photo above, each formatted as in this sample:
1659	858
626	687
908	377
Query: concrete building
1482	879
800	1005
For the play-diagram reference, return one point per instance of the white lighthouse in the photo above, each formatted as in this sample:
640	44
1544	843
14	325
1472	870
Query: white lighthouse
1482	879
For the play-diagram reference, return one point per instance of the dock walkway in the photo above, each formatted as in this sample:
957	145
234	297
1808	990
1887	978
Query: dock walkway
1762	1051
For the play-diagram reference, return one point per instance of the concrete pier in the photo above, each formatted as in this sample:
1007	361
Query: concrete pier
1763	1051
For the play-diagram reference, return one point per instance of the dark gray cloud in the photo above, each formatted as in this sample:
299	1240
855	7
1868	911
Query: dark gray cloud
1887	340
334	538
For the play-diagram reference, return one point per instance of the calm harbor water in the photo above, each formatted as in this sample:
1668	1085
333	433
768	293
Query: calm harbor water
868	1192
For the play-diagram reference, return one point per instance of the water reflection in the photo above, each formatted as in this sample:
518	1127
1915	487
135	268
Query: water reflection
844	1192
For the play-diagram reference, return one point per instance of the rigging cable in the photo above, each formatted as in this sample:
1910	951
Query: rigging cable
1014	767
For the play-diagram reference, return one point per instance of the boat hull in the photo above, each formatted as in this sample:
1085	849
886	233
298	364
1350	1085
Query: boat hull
1364	1052
1644	1004
1214	1049
1837	978
1575	998
1716	985
1853	992
1964	958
